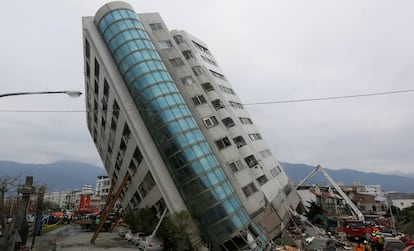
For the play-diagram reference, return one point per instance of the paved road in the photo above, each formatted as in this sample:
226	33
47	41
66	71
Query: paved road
70	238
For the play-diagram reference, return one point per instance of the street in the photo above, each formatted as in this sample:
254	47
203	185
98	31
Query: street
71	238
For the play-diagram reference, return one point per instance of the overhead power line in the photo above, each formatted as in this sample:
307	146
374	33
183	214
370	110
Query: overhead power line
329	98
248	104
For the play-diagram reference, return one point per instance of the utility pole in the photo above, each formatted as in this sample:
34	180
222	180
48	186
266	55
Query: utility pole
19	228
38	215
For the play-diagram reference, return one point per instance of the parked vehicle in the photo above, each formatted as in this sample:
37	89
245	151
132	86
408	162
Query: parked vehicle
151	243
128	235
122	231
137	237
393	244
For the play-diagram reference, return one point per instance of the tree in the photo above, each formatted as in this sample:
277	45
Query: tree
5	183
406	215
141	220
177	230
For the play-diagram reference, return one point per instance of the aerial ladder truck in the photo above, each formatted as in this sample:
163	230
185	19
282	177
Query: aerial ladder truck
353	228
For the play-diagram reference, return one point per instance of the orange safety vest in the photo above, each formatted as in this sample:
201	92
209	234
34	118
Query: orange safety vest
359	248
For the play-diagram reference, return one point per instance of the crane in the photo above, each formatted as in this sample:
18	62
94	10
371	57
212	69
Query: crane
356	213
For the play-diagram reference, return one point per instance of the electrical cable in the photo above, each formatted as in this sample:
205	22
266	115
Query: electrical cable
329	98
245	104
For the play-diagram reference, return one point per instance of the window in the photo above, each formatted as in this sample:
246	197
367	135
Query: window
236	165
118	161
87	49
236	105
239	141
95	106
137	157
115	110
198	100
96	69
133	166
255	136
176	61
201	48
156	26
228	122
149	181
207	87
179	39
251	161
210	61
210	121
103	125
159	206
226	89
287	189
245	120
165	44
262	180
137	198
96	88
88	70
218	75
113	125
265	153
249	189
106	88
126	134
217	104
222	143
275	171
187	80
188	54
143	190
198	70
122	147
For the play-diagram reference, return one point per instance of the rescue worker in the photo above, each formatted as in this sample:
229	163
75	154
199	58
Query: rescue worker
379	242
367	246
359	247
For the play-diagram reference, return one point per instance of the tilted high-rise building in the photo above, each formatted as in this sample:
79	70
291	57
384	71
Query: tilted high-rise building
160	109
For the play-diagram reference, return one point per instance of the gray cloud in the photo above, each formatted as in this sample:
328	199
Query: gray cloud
269	50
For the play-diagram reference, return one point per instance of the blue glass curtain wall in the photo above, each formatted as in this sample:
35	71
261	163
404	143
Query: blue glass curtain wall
197	173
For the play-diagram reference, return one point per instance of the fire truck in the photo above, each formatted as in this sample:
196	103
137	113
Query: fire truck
354	227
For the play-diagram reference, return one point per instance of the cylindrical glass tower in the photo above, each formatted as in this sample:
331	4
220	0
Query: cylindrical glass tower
205	189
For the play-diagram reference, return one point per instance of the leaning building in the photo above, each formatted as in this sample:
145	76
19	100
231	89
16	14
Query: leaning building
162	113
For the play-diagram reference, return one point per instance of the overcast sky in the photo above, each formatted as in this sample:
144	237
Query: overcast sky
269	51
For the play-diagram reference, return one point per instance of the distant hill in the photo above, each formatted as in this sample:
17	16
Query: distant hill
63	175
58	176
389	182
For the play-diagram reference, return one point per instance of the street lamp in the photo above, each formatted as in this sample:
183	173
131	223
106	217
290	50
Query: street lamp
72	94
20	223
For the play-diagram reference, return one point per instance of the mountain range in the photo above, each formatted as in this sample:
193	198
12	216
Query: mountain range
57	176
388	182
69	175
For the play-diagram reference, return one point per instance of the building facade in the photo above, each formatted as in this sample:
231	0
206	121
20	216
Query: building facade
70	199
374	190
103	185
162	113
